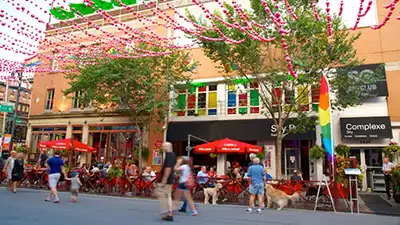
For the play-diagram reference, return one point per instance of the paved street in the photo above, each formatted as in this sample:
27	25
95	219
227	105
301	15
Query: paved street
28	207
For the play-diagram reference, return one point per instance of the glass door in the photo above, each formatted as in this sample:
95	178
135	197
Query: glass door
373	161
292	161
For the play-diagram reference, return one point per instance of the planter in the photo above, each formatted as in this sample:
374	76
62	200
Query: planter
396	198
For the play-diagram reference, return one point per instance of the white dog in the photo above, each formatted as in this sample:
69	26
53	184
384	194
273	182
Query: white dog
212	192
278	197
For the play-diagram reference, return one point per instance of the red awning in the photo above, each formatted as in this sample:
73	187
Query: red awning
225	146
67	144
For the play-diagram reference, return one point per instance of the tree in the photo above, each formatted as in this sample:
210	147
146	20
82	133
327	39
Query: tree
309	48
135	87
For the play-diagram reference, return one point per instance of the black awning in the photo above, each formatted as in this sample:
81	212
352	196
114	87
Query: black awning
243	130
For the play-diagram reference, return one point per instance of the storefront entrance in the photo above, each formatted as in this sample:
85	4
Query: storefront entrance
292	161
370	159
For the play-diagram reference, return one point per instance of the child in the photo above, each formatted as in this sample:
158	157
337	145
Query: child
75	185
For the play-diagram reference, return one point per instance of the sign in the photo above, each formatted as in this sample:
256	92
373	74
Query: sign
352	171
243	130
379	88
6	141
366	127
157	157
6	108
157	144
269	149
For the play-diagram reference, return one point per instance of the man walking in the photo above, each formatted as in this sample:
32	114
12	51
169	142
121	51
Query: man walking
8	167
257	176
56	167
252	156
164	188
386	168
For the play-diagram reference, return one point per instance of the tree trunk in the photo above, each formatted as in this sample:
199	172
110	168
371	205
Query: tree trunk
140	149
278	149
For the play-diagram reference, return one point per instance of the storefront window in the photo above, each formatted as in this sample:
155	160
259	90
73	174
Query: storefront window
197	101
243	99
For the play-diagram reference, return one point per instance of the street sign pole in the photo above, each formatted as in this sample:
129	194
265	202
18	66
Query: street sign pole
15	111
4	118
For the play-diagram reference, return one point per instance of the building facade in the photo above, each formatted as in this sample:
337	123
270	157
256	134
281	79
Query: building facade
22	109
216	110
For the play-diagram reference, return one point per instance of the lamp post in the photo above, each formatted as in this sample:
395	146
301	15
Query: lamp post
15	114
4	115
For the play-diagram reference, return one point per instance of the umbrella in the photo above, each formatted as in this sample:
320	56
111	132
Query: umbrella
67	144
226	145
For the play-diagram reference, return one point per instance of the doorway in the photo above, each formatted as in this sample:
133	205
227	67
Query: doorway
292	161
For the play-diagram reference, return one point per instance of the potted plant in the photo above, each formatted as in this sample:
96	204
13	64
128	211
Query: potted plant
342	150
316	152
391	150
213	155
22	149
396	183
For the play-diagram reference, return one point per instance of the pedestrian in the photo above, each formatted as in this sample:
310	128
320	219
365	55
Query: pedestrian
185	183
56	167
257	177
164	188
43	158
386	168
296	176
17	171
202	177
75	186
9	167
252	156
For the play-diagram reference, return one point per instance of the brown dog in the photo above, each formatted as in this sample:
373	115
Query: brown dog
278	197
212	192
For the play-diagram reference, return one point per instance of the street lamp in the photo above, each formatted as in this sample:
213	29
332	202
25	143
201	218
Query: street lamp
15	114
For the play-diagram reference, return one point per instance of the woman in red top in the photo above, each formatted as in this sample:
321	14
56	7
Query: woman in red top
211	173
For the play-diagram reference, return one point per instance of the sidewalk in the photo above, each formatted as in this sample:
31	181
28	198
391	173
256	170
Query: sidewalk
378	204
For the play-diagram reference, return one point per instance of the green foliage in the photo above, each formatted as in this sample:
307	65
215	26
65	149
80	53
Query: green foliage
396	179
137	87
213	155
261	156
115	172
22	149
390	150
342	150
317	152
145	153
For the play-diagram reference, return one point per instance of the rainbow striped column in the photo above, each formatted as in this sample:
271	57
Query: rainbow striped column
324	110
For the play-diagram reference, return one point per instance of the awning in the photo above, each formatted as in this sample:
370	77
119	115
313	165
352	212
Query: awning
226	146
244	130
67	144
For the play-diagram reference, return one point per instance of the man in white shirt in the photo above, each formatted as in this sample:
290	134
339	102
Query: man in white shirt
386	168
202	176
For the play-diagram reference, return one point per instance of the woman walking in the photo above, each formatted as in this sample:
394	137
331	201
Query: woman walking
18	171
183	167
9	167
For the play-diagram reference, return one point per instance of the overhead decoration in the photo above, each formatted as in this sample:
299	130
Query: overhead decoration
62	46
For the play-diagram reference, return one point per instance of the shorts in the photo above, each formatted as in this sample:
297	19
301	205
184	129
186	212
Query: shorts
53	179
74	192
256	189
182	186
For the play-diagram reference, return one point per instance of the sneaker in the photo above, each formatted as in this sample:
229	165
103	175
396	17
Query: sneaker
259	211
193	213
249	211
182	210
168	218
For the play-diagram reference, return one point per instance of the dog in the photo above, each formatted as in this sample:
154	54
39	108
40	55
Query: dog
278	197
212	192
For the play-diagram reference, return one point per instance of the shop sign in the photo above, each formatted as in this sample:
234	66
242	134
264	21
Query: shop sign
367	127
6	107
157	144
379	87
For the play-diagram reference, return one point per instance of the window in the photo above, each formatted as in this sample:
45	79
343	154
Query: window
77	102
315	98
243	99
197	101
50	99
303	98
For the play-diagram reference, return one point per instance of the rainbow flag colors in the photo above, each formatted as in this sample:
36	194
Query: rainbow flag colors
112	51
32	61
191	65
324	110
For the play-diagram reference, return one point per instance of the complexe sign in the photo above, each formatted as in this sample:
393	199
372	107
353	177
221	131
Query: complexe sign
367	127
